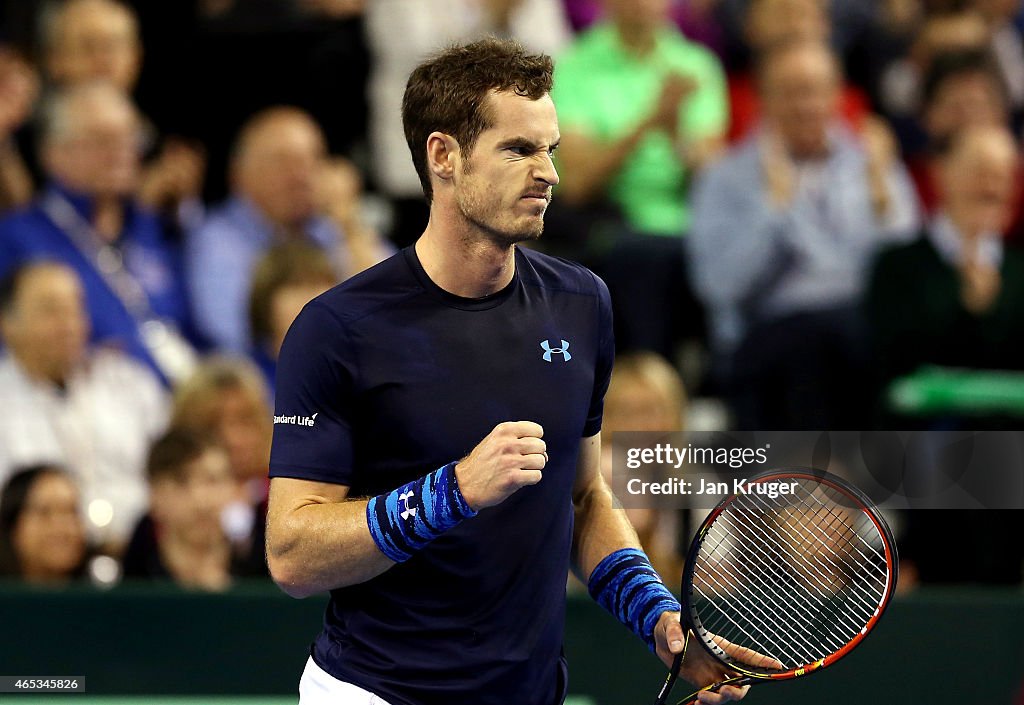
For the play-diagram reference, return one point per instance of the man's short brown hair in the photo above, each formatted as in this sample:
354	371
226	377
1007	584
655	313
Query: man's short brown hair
287	264
172	452
448	93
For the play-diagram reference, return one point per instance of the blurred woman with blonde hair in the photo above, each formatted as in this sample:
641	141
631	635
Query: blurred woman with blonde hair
227	398
646	394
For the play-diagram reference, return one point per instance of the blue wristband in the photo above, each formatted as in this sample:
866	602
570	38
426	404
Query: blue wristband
405	520
625	584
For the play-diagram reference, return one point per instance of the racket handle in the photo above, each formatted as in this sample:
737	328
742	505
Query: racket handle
670	680
691	699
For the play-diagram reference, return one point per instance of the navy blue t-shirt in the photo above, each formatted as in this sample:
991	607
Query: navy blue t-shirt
387	377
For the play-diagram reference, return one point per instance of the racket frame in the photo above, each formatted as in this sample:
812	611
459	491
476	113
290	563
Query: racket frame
691	623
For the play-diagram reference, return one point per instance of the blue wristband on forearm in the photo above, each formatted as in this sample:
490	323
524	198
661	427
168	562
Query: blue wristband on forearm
405	520
626	584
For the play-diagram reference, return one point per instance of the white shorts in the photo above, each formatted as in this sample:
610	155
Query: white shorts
318	687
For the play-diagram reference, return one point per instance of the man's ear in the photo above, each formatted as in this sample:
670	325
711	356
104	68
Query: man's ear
442	155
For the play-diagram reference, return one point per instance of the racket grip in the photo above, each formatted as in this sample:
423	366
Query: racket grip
692	699
670	680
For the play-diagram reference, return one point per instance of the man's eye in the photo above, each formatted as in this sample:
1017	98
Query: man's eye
520	151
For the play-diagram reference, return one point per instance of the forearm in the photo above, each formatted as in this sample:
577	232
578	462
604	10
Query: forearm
588	165
317	543
600	528
901	221
322	546
618	575
697	153
15	181
361	245
608	556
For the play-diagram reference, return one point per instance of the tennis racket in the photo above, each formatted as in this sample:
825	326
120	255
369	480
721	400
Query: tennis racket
799	577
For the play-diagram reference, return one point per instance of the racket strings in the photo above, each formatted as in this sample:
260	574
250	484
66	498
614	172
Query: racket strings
833	622
762	622
807	626
822	562
856	532
795	577
825	571
801	644
817	579
778	582
759	592
849	564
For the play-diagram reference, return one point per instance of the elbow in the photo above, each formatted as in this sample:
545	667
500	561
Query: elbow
287	573
289	577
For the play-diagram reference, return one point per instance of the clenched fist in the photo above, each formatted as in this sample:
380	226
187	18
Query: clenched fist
508	458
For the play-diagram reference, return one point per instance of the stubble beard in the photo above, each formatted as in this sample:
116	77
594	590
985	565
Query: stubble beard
484	216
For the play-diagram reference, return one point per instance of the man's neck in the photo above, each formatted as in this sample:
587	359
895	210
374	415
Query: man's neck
968	227
281	228
462	260
37	372
811	155
637	39
108	218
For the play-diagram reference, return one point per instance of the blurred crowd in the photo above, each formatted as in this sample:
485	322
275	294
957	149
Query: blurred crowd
793	202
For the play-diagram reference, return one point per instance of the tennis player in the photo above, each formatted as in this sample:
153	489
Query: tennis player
446	569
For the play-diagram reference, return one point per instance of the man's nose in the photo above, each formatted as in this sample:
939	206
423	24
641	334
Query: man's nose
546	172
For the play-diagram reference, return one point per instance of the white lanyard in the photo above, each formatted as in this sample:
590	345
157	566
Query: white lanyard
106	259
172	353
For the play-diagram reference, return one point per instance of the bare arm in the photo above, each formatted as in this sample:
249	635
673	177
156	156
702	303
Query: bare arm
318	539
590	164
339	191
600	528
15	181
19	88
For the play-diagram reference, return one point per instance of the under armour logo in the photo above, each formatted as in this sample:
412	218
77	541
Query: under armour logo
408	511
549	351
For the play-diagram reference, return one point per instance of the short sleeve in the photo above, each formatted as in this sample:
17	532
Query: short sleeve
313	400
605	359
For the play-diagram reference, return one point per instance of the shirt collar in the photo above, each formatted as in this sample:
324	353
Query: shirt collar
245	211
948	242
838	137
85	204
318	229
45	386
613	40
